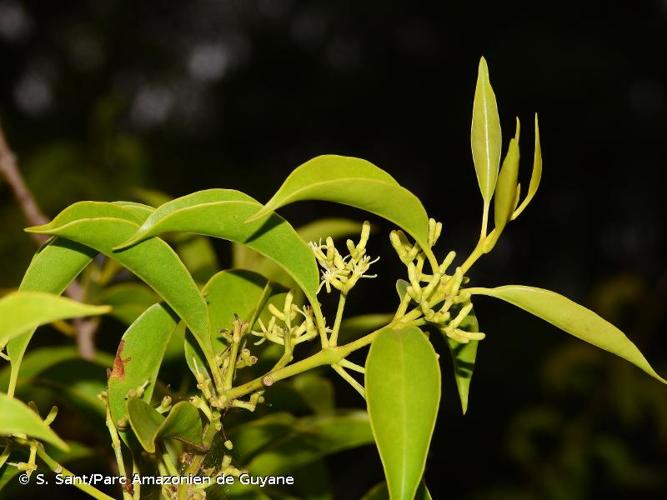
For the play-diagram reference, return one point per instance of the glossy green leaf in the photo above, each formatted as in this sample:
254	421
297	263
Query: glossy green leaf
485	137
222	213
357	183
103	226
25	311
536	175
139	357
17	418
403	395
380	492
51	270
128	300
310	439
573	319
505	194
183	423
463	359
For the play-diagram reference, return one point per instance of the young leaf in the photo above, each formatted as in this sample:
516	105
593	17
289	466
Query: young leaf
403	395
463	359
485	137
25	311
139	356
51	270
182	423
535	176
354	182
18	418
222	214
145	422
505	193
153	261
573	319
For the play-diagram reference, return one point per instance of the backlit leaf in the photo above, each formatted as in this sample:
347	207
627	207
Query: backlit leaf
403	395
573	319
535	176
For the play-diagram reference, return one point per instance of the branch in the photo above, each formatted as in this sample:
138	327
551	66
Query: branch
24	198
9	170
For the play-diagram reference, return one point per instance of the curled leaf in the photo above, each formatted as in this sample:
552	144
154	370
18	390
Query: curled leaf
535	176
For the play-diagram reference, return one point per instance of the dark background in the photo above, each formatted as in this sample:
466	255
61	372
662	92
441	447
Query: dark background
96	97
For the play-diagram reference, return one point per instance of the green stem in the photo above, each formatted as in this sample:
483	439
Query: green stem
118	452
339	318
59	469
350	380
231	366
5	454
328	356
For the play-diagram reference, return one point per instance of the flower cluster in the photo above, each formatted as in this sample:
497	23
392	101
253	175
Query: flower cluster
290	326
435	294
339	272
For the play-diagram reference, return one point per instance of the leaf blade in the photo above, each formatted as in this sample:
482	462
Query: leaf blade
353	182
17	418
573	319
403	396
25	311
485	137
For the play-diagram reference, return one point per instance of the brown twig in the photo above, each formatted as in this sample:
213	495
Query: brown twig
9	170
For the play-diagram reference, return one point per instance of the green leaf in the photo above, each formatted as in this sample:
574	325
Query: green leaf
236	292
182	423
139	357
485	137
25	311
403	395
310	439
505	195
251	437
354	182
380	492
127	300
43	358
354	327
145	422
573	319
103	226
222	213
463	359
18	418
314	231
536	175
51	270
